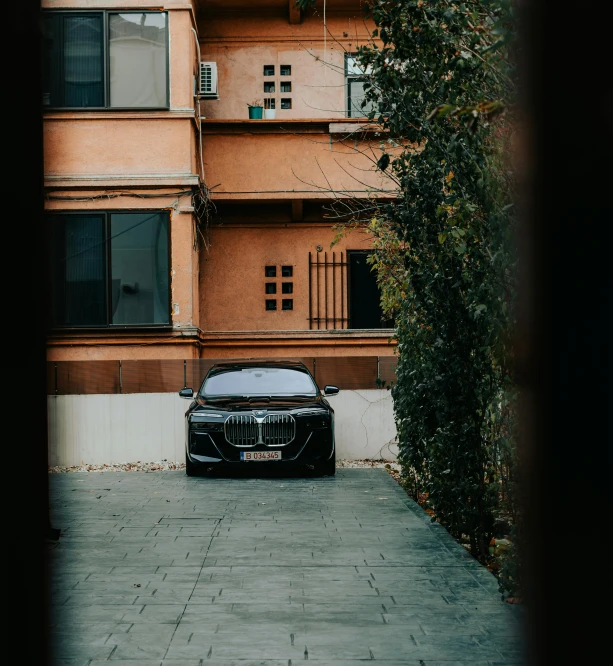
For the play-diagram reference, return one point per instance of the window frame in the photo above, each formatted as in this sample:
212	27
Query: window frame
106	215
352	78
106	58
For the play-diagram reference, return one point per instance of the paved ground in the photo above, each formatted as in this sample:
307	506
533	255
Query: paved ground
158	568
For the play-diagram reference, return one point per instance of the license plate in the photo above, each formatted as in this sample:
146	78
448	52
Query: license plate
253	456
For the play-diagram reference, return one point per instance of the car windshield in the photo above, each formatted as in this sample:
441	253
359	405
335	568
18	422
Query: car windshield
259	381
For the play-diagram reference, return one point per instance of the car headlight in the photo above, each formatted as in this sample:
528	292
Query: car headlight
315	420
206	423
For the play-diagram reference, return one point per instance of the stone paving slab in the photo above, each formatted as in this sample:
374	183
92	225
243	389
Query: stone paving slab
159	569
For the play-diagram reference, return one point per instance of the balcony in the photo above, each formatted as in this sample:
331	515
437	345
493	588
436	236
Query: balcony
272	160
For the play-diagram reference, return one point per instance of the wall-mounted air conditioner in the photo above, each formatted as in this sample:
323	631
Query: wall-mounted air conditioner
207	84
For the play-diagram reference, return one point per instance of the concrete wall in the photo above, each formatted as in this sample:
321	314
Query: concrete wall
98	429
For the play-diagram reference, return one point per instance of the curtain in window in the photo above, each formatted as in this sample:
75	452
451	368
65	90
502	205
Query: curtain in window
78	264
83	61
138	60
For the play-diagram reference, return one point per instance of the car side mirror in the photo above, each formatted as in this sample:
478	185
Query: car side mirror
331	390
186	393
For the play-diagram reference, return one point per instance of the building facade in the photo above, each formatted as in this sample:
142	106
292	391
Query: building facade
180	227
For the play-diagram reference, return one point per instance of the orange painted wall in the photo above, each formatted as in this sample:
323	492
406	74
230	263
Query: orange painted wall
127	154
117	147
232	285
221	289
292	166
242	43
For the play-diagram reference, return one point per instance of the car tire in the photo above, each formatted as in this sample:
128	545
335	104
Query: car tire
191	469
327	467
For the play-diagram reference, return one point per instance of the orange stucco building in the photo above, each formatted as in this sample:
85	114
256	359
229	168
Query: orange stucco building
178	226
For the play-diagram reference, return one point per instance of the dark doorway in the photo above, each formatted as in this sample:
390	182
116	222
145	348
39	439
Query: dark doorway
364	295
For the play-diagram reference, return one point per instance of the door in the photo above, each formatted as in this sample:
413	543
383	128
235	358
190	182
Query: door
364	296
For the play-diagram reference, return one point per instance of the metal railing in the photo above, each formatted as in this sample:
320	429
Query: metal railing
328	307
170	375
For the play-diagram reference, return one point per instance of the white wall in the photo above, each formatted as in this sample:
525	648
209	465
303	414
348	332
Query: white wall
146	427
364	425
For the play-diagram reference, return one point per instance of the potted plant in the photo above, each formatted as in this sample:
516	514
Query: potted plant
270	112
255	109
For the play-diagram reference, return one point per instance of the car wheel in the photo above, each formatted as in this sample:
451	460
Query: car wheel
191	469
327	467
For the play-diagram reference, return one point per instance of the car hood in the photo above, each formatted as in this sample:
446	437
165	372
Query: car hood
253	404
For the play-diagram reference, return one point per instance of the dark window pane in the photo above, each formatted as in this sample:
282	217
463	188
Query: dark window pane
269	103
269	87
271	304
52	60
269	70
286	86
287	304
355	90
78	279
270	271
138	60
286	70
271	288
286	103
83	69
287	288
287	271
139	268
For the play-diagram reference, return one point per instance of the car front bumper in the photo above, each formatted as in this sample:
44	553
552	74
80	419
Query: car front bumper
313	447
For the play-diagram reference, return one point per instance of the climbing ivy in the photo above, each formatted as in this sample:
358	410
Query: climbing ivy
441	82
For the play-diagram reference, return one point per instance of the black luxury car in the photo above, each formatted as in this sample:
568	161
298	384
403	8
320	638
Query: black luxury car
259	411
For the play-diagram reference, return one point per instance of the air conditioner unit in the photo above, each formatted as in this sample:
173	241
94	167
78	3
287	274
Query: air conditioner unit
207	85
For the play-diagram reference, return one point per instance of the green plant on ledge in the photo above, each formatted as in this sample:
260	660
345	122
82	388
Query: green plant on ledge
305	4
255	109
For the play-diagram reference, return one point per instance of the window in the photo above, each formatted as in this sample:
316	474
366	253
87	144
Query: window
270	271
287	304
269	86
286	103
109	269
287	271
285	70
343	292
287	288
271	288
269	103
286	86
269	70
271	304
355	78
105	59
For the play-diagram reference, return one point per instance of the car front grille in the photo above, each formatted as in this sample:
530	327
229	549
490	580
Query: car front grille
278	429
273	430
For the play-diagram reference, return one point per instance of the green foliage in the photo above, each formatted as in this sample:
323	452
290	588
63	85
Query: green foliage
305	4
442	84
